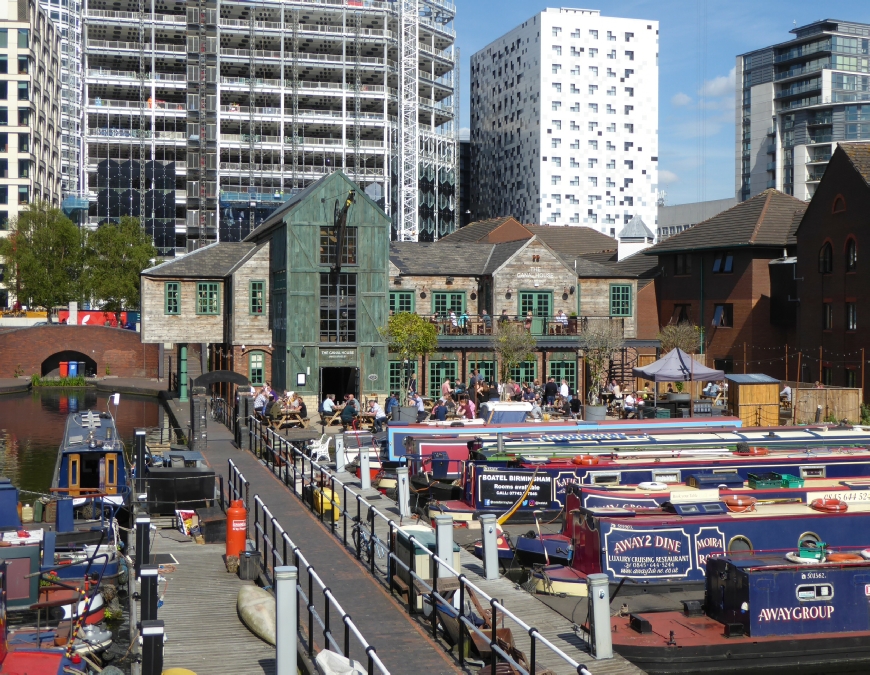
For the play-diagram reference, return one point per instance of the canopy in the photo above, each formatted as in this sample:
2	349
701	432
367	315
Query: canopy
677	366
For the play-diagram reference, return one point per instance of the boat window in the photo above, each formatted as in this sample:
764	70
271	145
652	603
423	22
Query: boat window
808	539
816	471
666	476
609	478
713	508
739	543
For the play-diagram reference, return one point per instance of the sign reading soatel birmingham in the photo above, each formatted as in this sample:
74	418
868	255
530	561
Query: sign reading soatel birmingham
504	488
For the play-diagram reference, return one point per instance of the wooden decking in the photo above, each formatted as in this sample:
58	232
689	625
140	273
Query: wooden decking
203	630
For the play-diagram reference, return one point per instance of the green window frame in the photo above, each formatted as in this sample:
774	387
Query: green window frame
487	370
257	368
172	298
620	300
539	303
564	370
208	298
444	302
440	371
394	376
527	371
401	302
257	294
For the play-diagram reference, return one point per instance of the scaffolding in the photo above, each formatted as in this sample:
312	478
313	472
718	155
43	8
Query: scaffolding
408	150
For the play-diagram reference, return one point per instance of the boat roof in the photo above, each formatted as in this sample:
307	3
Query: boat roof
809	485
82	425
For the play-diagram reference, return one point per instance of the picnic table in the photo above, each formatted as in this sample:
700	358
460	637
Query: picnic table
286	419
333	418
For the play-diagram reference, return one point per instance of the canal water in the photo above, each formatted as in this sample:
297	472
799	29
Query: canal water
32	424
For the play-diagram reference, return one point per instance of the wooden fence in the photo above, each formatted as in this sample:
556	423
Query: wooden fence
837	403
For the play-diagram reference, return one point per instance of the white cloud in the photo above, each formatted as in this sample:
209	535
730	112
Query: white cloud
666	177
681	99
720	86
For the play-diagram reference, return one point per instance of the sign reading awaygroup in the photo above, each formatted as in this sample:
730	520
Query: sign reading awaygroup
648	554
504	488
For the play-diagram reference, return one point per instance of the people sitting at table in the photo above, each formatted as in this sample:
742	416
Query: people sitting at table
260	400
463	320
504	316
528	393
417	400
551	390
670	388
561	319
328	405
439	412
391	404
378	416
453	320
348	414
711	390
576	404
536	413
785	394
470	409
301	408
450	402
486	319
629	404
527	324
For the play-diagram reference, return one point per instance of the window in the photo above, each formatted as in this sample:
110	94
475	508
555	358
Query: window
556	68
620	300
593	126
827	316
444	302
556	105
207	298
539	303
827	375
329	241
591	162
23	91
611	182
593	34
681	314
723	316
627	145
23	117
826	259
23	168
555	180
23	38
593	70
555	142
611	146
564	370
172	294
4	194
629	163
593	107
401	302
682	264
851	316
337	308
396	376
486	368
23	63
557	86
557	50
23	195
4	64
839	204
438	372
629	128
256	368
4	90
611	54
628	109
611	164
630	91
724	263
611	91
593	181
593	52
593	145
611	127
629	56
527	371
23	142
611	110
4	38
851	255
4	118
257	293
852	378
593	88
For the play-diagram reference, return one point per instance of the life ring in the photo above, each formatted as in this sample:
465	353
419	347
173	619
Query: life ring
584	460
740	503
844	557
829	505
795	558
754	451
653	485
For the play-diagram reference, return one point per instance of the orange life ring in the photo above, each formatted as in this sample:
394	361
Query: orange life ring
740	503
843	557
584	460
754	450
829	505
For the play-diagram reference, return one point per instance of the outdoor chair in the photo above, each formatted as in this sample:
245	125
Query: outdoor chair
319	450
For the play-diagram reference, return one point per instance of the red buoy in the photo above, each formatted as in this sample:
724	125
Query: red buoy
237	528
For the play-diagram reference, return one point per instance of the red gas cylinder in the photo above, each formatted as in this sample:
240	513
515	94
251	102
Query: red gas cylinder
237	525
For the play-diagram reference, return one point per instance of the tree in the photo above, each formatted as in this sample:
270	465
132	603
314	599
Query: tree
513	344
45	257
116	254
409	336
600	339
681	335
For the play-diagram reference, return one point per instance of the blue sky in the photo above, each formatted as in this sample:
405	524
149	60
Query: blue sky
685	134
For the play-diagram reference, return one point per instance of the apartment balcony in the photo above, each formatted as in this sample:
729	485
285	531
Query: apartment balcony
100	16
130	77
820	138
825	120
99	104
819	158
771	166
101	134
116	47
473	333
815	173
259	139
771	131
798	91
800	72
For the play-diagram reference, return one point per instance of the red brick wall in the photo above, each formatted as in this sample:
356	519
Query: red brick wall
647	313
119	350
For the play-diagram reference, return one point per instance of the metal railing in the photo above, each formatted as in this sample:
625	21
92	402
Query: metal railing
306	478
322	607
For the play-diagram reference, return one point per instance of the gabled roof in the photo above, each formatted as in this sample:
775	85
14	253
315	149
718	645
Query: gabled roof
586	267
215	261
769	219
570	240
476	231
636	229
859	155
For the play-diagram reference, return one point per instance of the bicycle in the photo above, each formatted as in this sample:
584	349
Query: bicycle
218	409
362	541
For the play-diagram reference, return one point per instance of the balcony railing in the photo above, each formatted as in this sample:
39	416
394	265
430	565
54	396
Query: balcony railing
114	103
134	16
459	326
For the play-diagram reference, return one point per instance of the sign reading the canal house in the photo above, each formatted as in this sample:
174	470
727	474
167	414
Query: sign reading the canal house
338	355
650	554
504	488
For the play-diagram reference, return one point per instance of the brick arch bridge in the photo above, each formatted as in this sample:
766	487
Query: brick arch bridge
29	350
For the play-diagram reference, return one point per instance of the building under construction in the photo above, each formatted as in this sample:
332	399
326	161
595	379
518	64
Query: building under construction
204	115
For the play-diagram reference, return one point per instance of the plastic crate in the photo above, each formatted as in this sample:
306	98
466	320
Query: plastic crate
761	481
663	413
789	481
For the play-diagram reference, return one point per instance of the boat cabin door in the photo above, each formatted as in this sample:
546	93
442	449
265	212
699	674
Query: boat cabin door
74	473
109	473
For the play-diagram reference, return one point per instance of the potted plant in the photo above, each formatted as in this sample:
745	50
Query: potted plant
409	336
572	323
600	340
680	394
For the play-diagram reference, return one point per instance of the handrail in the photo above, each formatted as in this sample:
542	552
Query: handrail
284	459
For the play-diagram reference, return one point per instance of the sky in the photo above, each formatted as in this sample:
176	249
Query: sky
698	43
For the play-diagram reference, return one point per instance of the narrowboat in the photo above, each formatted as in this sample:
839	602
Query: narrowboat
666	549
762	613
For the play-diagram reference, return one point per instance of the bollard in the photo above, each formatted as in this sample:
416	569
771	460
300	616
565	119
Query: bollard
340	460
489	536
152	647
285	619
599	596
140	460
818	414
444	540
403	493
365	473
143	543
148	575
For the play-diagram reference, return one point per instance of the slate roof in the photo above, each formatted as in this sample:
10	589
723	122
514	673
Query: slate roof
591	268
463	259
214	261
572	241
475	231
769	219
859	155
636	229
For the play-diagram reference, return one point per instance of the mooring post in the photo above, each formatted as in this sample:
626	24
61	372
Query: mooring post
599	596
403	491
339	454
143	543
285	619
364	471
148	576
152	647
444	540
140	460
489	537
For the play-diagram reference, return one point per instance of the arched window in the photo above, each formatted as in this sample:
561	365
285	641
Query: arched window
851	255
839	204
826	259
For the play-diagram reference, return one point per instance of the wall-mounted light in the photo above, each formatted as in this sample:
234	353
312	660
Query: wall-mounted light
571	290
473	295
508	292
423	292
449	280
397	281
302	353
372	352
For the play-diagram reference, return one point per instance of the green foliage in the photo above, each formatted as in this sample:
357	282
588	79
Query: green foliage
77	381
679	386
44	256
409	336
865	414
513	344
601	338
19	371
116	253
684	335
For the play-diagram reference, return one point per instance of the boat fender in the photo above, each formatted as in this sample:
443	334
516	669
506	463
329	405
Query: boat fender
739	503
753	450
653	485
795	558
844	557
865	554
829	505
584	460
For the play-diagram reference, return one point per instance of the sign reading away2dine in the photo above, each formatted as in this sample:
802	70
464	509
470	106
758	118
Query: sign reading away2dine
649	554
503	489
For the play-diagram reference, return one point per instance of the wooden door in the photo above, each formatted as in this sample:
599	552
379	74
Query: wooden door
74	474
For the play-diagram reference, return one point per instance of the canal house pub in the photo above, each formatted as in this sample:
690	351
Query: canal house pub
276	309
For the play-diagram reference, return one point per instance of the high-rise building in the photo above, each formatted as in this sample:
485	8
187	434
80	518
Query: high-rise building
796	101
564	121
203	116
29	114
